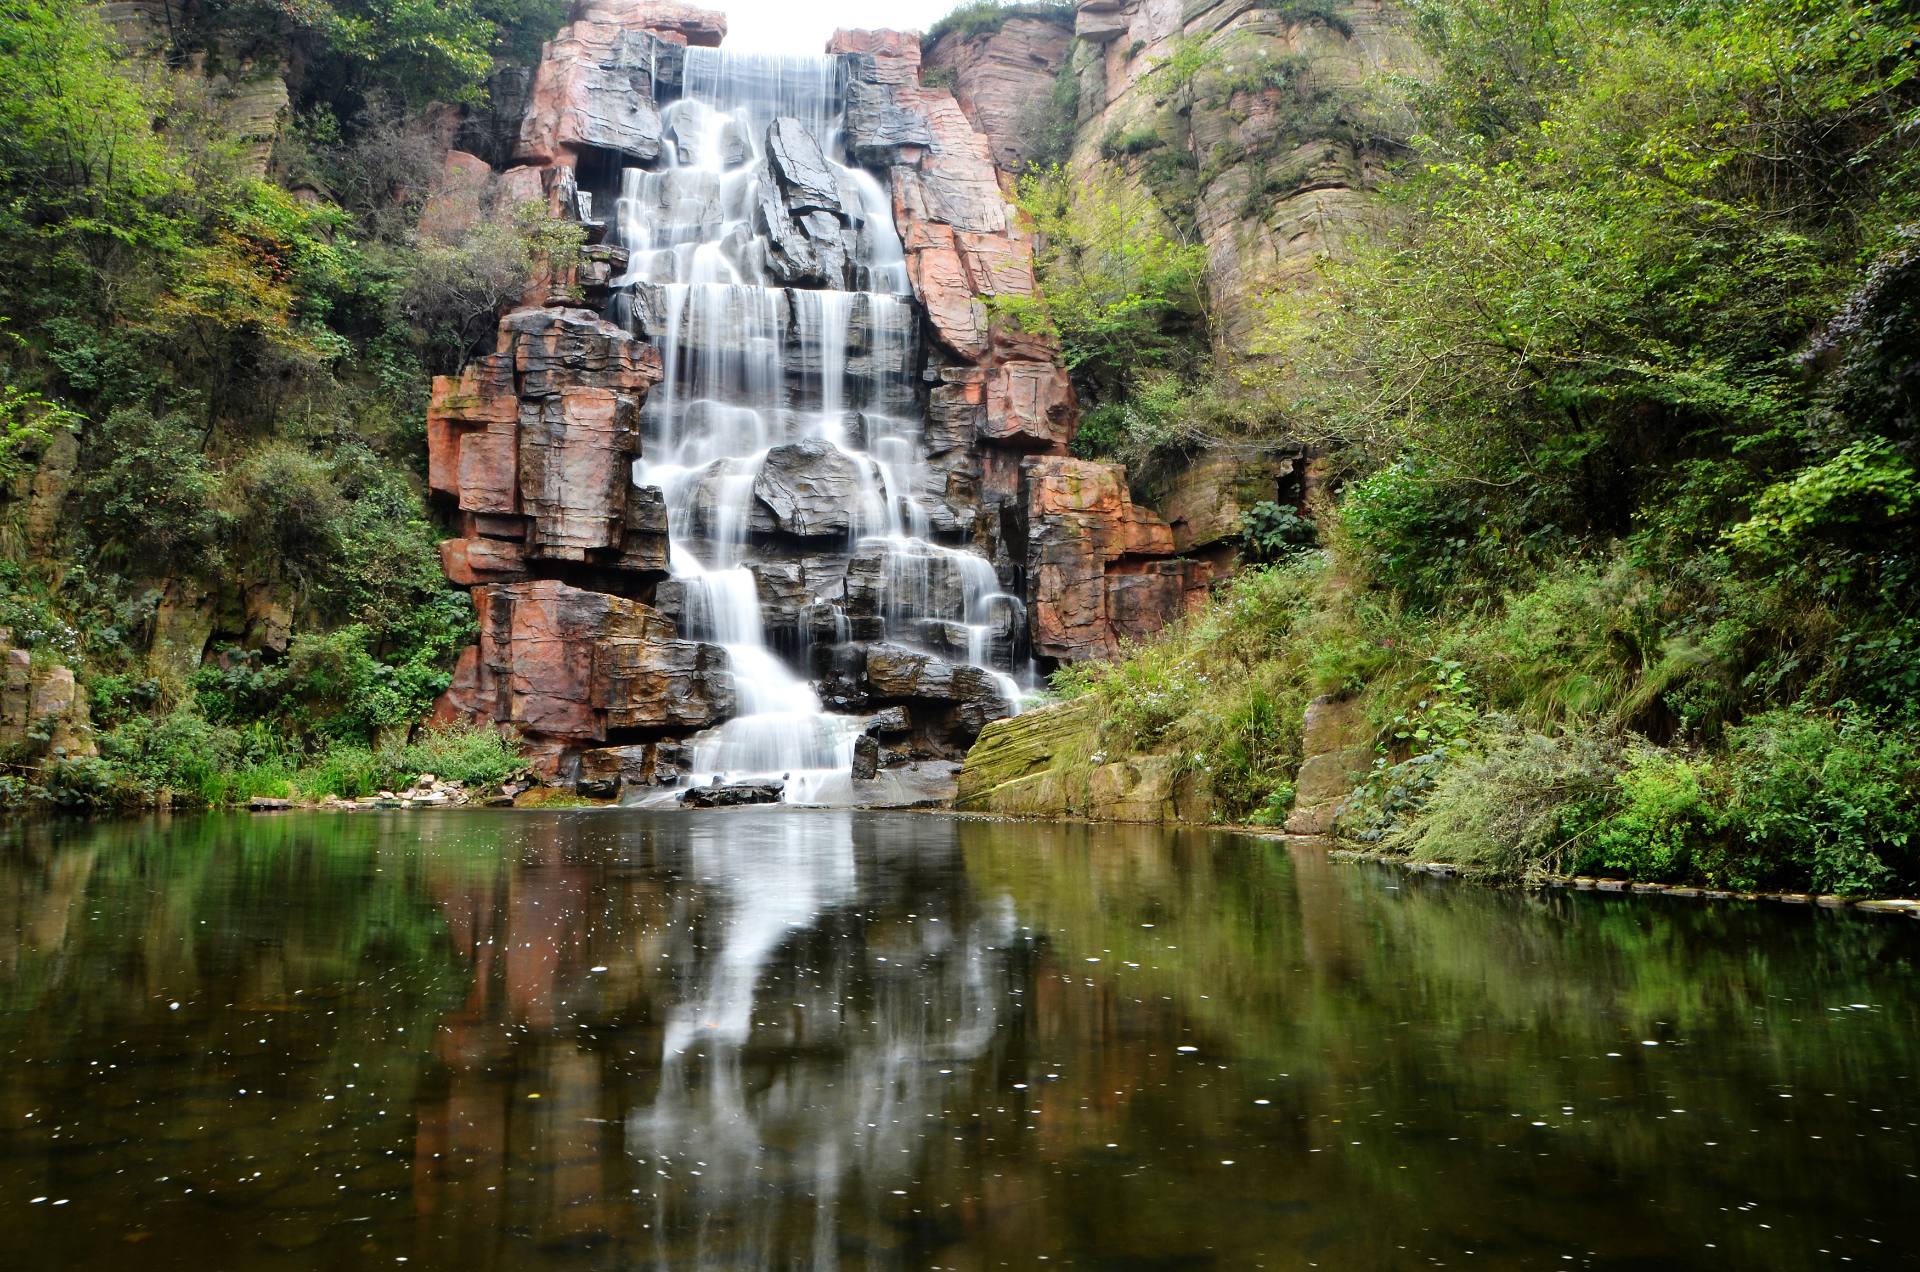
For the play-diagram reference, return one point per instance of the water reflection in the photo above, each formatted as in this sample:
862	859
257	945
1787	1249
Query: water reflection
804	1040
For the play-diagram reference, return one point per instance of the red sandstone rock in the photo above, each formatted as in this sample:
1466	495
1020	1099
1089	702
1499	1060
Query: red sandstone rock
1095	560
1031	406
458	198
545	431
703	28
899	47
1101	21
999	78
472	562
575	667
592	86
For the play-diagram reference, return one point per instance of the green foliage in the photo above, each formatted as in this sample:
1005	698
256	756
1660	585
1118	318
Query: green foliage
1048	125
1834	513
1626	414
984	17
1115	290
1508	809
1270	532
417	51
452	292
1224	691
1122	143
1833	799
1665	811
149	497
330	687
27	423
241	365
189	759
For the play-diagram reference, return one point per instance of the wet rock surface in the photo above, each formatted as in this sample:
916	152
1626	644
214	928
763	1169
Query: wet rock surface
738	796
812	489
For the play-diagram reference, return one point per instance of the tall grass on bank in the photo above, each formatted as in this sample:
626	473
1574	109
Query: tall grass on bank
185	760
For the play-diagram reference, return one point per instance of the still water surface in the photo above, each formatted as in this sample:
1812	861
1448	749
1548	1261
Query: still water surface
775	1039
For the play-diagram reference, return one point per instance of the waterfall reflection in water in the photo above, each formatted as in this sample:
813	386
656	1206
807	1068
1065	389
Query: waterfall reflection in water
774	1039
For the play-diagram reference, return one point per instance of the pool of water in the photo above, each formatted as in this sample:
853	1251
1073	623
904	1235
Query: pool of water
778	1039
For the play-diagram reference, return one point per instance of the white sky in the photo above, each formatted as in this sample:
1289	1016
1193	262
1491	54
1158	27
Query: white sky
803	26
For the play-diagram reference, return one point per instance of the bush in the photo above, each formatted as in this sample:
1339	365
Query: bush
1270	532
286	509
1827	801
1118	293
1667	811
149	498
1513	809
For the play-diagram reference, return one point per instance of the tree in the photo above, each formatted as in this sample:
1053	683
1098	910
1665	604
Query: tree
1119	295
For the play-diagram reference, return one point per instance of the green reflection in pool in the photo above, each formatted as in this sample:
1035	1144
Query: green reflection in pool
784	1039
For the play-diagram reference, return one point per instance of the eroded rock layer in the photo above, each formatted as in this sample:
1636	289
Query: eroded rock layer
740	491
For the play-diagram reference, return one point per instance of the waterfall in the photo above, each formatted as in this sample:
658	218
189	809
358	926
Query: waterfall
788	334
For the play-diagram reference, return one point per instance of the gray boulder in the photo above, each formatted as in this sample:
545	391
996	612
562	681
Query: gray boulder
810	489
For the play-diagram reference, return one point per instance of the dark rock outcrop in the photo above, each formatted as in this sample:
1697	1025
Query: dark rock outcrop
811	489
747	793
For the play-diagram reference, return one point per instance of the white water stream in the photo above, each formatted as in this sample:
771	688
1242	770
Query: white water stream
752	364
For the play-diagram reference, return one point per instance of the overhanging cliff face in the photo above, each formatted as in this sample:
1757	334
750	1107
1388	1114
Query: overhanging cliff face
908	527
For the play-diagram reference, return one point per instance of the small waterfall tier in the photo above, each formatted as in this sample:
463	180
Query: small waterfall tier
806	534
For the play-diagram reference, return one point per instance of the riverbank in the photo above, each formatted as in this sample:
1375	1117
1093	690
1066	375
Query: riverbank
1898	907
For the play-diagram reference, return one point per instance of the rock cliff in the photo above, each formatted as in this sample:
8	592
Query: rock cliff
533	447
1274	147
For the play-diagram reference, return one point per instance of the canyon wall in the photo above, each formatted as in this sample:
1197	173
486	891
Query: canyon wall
1259	131
1277	145
534	447
1269	154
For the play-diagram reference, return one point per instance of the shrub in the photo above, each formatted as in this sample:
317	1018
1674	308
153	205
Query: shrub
481	757
286	507
1666	812
149	498
1514	809
1117	291
1271	531
1829	800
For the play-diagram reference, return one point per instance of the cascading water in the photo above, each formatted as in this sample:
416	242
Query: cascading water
773	374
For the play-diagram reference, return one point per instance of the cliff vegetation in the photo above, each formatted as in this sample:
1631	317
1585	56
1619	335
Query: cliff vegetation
1618	426
216	324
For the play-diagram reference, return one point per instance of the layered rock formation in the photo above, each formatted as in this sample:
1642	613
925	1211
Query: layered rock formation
782	318
1039	766
572	670
1278	147
1003	81
1099	562
535	443
43	714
